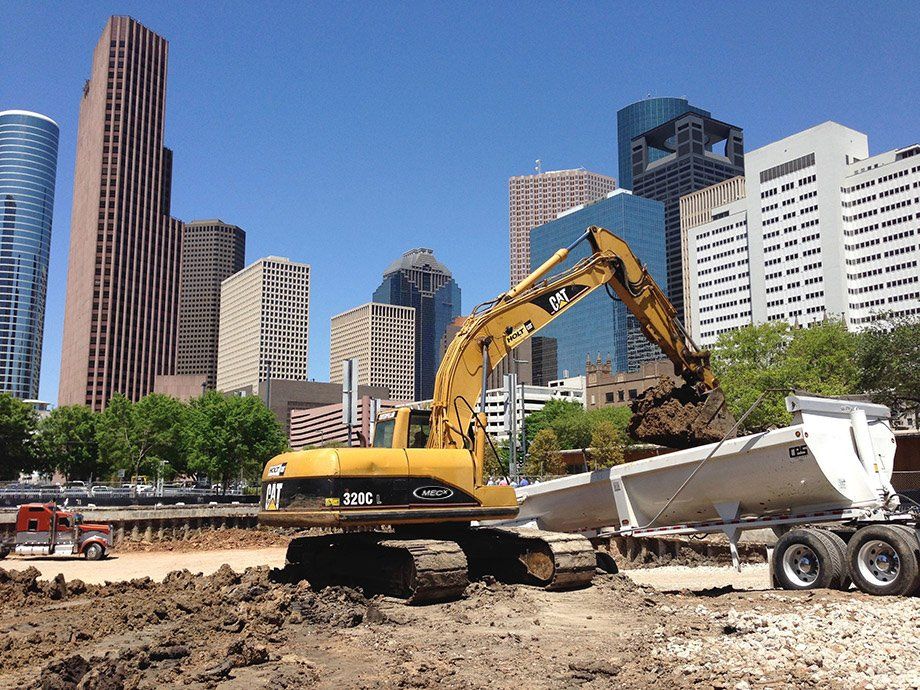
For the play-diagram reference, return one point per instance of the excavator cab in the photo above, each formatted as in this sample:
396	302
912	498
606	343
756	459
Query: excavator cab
402	428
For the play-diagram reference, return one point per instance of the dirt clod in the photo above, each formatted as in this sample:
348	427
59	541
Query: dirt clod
675	416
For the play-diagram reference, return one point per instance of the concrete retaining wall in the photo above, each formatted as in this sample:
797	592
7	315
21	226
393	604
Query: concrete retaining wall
153	524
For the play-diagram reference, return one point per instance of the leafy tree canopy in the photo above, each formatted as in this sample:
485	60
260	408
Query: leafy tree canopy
18	423
543	455
229	435
889	358
143	437
67	443
821	359
607	444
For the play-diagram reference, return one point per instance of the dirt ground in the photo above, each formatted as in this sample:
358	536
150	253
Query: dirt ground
243	630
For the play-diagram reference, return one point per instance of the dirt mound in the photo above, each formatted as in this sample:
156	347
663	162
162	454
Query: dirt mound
189	626
213	539
677	417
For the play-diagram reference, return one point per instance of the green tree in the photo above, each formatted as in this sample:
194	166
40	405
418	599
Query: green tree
67	443
142	436
607	444
495	462
618	416
552	412
820	359
543	455
889	357
229	435
18	422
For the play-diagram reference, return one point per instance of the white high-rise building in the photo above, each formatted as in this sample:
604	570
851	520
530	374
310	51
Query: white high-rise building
881	227
264	324
530	399
382	338
808	236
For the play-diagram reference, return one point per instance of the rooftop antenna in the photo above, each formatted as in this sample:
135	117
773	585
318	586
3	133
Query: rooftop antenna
538	166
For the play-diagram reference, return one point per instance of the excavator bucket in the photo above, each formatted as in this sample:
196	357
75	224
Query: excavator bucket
680	417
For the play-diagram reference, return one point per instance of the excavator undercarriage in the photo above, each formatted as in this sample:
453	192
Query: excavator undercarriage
412	565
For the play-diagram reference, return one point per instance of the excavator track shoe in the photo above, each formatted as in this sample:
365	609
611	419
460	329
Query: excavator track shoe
420	571
552	560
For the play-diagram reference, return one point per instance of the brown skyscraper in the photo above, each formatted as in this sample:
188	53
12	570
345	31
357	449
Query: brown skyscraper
211	252
123	274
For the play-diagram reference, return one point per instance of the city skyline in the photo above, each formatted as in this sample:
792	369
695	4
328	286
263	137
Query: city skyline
443	186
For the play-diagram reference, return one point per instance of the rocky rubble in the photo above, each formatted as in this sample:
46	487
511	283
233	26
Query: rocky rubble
237	630
854	641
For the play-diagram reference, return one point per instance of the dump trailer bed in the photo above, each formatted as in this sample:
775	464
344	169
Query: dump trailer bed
832	465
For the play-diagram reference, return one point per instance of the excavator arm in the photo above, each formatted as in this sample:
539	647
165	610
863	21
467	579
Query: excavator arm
496	327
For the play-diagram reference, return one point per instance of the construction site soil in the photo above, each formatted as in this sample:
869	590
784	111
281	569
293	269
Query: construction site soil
246	630
214	539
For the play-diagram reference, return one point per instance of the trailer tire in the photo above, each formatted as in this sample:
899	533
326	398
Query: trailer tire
803	559
4	552
94	552
840	546
883	560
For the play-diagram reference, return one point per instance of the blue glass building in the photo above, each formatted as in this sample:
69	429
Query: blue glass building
419	280
640	117
597	324
28	167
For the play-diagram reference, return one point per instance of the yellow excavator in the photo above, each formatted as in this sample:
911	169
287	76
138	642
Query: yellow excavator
423	475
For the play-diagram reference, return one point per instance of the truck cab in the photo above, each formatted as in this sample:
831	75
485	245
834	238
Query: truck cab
45	529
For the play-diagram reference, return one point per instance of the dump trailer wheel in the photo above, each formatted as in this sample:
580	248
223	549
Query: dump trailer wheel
803	559
883	560
840	562
94	552
4	552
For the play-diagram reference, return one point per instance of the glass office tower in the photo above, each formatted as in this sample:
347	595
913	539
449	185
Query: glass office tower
597	324
639	117
28	167
419	280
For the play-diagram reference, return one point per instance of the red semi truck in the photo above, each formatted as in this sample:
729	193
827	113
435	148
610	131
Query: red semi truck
44	529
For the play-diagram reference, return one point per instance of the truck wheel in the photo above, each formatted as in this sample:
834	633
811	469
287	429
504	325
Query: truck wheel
4	552
840	546
883	560
803	559
94	552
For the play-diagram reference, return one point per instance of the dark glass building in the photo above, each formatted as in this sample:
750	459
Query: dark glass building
28	167
674	159
597	324
638	118
419	280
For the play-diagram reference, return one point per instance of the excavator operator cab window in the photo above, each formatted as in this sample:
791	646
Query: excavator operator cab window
419	428
383	433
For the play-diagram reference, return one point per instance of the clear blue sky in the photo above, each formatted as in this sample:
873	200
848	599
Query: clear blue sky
342	134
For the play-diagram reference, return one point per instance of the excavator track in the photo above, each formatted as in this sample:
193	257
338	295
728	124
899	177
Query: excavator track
421	571
552	560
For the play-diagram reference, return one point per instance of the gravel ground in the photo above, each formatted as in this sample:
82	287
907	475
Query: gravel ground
705	627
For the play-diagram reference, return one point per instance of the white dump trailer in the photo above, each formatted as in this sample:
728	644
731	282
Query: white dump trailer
823	484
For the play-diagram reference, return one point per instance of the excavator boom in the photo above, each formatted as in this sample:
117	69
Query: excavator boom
497	327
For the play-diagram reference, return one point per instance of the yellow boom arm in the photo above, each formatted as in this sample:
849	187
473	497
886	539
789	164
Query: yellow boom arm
496	327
